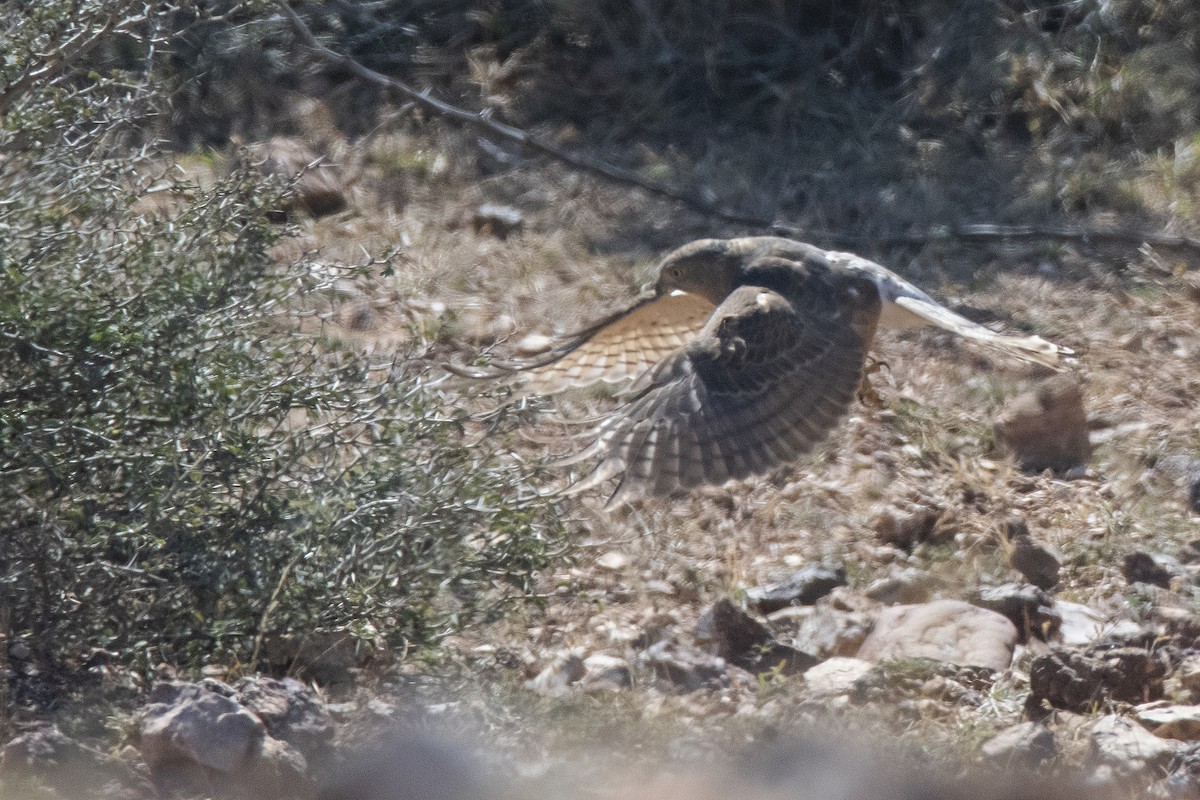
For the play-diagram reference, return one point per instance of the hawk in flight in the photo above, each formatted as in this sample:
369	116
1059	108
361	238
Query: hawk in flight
745	355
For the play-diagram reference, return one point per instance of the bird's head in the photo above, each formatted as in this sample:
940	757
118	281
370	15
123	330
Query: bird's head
708	268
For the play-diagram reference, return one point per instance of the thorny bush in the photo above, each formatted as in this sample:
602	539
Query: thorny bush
182	470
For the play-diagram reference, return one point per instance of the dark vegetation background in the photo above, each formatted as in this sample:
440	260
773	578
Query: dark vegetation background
189	476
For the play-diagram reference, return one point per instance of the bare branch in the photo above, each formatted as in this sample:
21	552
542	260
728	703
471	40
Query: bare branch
984	232
484	121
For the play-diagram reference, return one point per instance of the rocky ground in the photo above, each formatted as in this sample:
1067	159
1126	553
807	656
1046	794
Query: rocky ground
995	571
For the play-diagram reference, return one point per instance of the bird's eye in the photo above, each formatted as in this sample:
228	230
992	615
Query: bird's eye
674	273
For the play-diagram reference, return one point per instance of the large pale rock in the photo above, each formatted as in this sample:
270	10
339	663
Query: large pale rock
1128	747
197	739
277	770
188	723
944	630
1047	428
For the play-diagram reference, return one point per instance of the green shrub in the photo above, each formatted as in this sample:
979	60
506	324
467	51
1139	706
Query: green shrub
182	470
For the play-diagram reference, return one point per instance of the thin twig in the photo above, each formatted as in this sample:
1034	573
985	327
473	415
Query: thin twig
272	604
484	121
986	232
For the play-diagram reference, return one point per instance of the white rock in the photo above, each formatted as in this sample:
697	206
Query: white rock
200	727
836	675
944	630
1083	625
1127	746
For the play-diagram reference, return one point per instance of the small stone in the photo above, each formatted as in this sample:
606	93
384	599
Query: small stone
1047	428
1193	492
1175	621
907	585
1023	746
1035	561
560	674
660	587
1170	721
1190	552
1014	528
342	711
496	220
732	634
822	630
1142	567
836	676
607	670
805	587
1128	747
906	528
687	668
614	561
944	630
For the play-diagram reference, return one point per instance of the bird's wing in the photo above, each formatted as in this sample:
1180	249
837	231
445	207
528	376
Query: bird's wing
760	385
906	306
616	349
